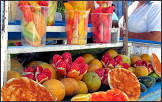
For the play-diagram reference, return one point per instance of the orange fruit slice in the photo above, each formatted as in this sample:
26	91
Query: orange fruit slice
126	81
156	64
68	6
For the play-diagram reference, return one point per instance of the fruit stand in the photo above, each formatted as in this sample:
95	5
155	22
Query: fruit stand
81	66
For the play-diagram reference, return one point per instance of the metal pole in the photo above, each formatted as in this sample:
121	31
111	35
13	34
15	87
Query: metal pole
125	28
4	44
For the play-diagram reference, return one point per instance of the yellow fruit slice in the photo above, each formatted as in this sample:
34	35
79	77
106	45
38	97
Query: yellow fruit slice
81	97
40	22
156	64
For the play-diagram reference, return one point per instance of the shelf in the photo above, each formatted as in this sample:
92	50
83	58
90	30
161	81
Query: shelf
17	28
47	48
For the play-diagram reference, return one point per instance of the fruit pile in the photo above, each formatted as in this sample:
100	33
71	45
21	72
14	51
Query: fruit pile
64	65
33	22
83	78
76	22
37	73
101	19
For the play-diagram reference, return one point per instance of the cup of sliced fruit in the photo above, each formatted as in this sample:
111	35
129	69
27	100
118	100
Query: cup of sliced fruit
101	27
33	25
76	26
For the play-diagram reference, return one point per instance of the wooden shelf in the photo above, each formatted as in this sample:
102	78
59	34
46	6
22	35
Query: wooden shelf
47	48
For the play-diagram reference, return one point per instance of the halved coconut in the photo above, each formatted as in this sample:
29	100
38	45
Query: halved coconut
24	89
125	81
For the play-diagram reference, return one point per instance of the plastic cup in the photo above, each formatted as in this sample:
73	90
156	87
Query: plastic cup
33	25
101	27
52	5
76	27
12	11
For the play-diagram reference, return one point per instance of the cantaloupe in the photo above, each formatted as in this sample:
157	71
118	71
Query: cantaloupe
56	88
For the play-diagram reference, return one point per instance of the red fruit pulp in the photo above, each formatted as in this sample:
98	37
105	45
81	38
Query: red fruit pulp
66	56
61	67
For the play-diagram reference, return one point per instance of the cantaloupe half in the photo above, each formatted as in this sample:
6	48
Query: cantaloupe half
156	64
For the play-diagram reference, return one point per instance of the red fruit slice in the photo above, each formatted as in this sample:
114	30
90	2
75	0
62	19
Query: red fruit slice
138	63
73	71
29	73
111	64
100	73
103	74
79	60
66	56
156	64
47	72
30	76
126	65
106	59
83	68
41	77
150	68
56	58
144	63
119	65
118	59
28	69
38	70
61	67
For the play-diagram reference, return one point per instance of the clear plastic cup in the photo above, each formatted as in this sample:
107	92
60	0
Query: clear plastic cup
52	5
33	25
101	27
76	27
12	11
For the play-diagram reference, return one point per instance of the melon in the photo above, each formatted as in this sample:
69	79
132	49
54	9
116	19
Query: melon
71	86
134	59
96	62
146	58
93	67
13	74
56	88
92	81
88	58
83	89
16	66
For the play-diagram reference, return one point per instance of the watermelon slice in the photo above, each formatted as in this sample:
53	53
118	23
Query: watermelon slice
156	64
